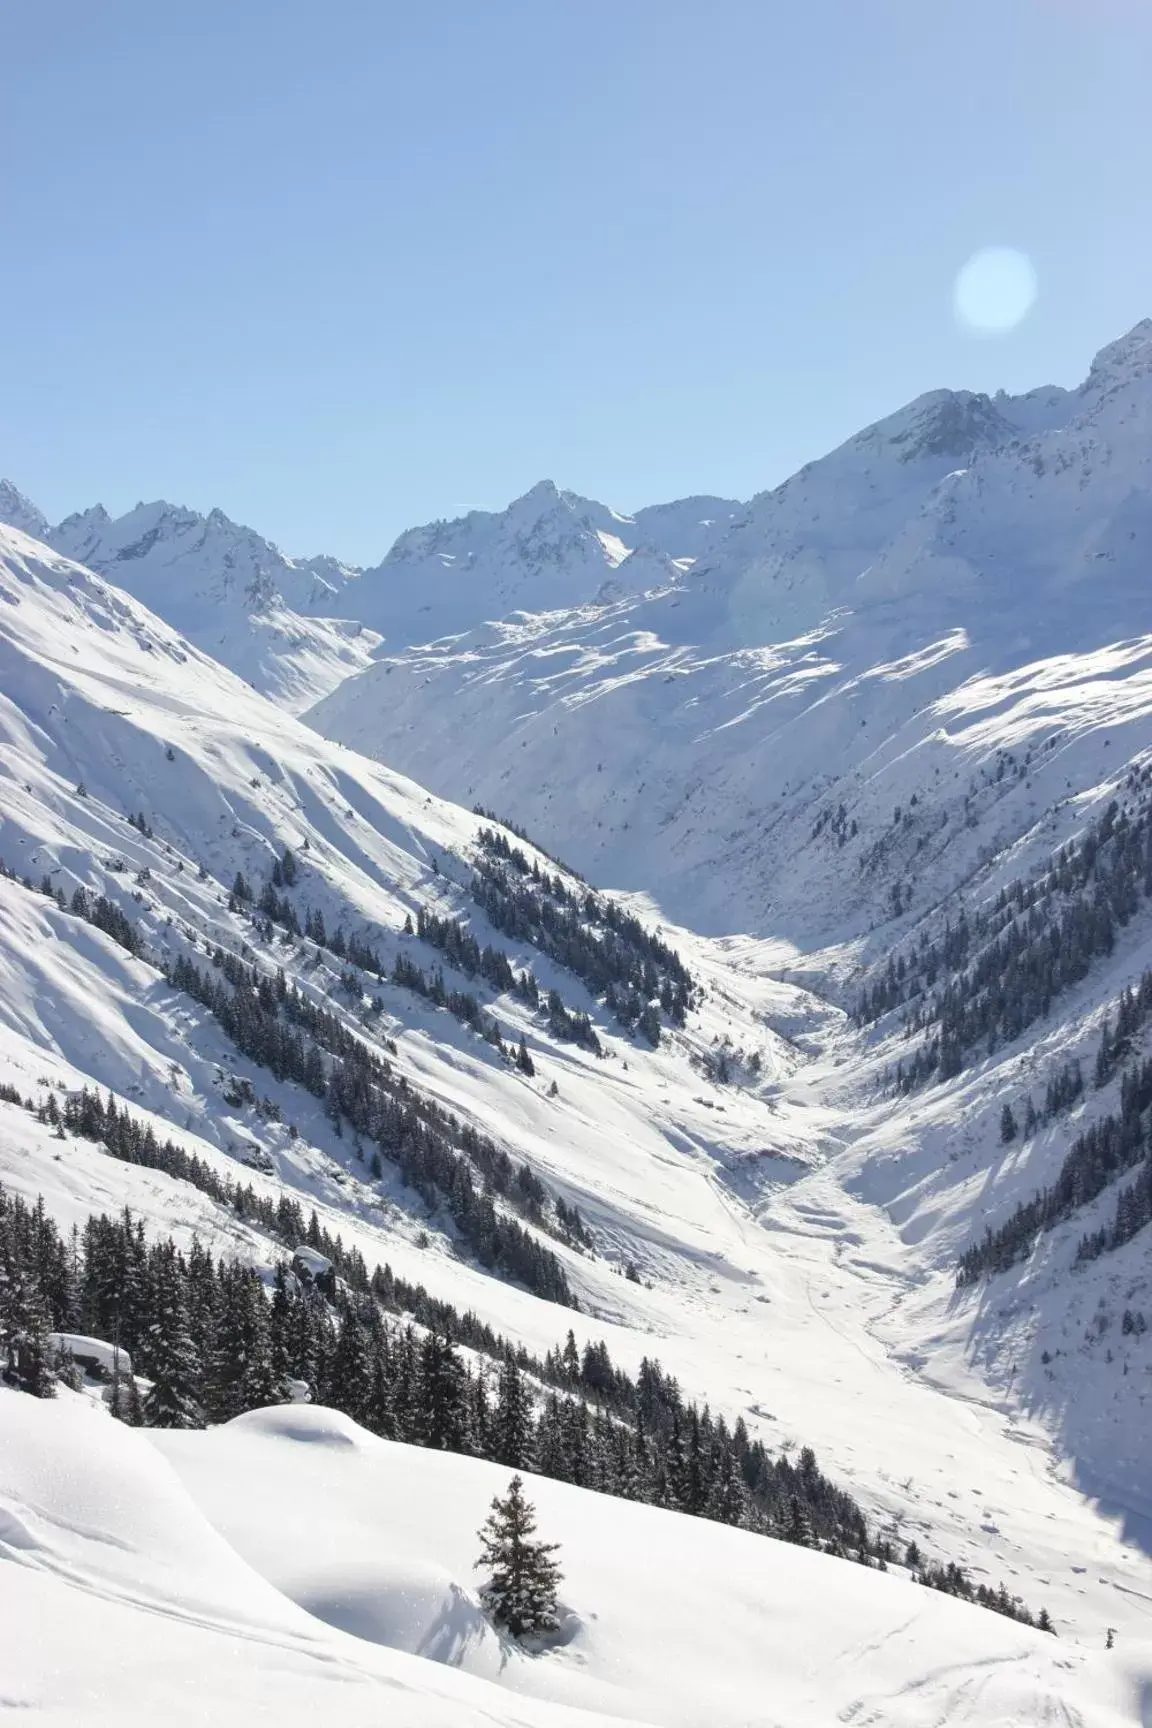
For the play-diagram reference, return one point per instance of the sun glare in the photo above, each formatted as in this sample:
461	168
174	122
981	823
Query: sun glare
995	291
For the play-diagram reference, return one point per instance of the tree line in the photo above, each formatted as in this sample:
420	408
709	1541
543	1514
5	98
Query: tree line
988	977
273	1024
212	1341
627	966
450	935
1095	1158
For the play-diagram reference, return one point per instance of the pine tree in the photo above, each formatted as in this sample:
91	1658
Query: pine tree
25	1353
443	1397
512	1422
728	1501
520	1592
172	1400
241	1375
352	1386
34	1365
1007	1125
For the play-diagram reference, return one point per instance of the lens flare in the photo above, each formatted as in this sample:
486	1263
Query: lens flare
994	291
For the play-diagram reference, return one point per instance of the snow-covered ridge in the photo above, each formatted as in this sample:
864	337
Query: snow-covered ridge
232	590
547	551
271	618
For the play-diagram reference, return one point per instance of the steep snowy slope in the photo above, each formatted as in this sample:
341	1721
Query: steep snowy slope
20	512
772	1282
974	702
794	553
106	714
270	618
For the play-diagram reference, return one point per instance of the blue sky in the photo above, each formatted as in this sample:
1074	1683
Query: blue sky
342	268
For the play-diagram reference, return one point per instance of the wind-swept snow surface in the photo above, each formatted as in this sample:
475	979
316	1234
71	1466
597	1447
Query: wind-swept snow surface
292	1565
122	1606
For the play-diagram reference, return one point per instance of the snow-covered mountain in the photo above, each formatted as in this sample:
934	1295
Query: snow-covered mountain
548	551
866	769
274	620
20	512
877	627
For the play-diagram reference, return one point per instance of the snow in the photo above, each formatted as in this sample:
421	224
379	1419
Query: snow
790	1279
109	1358
943	619
121	1605
310	1260
550	549
268	617
290	1564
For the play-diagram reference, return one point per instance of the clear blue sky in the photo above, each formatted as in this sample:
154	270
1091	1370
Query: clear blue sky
347	265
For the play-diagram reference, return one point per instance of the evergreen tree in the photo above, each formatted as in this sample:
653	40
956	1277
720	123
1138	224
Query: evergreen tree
25	1353
241	1375
124	1400
350	1372
172	1400
444	1422
512	1421
1007	1125
520	1592
728	1501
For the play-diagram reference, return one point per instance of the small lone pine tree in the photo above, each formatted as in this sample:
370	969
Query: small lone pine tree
520	1593
1007	1125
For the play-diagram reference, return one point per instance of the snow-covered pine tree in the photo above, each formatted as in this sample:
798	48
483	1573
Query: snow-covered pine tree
512	1422
240	1375
25	1354
172	1400
520	1592
350	1370
443	1396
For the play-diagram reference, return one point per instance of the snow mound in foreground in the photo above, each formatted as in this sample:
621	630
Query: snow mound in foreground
665	1619
406	1605
121	1607
311	1424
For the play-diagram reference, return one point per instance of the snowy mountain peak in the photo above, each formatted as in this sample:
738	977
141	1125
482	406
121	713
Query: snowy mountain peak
952	423
1126	360
82	522
223	586
543	496
19	512
548	550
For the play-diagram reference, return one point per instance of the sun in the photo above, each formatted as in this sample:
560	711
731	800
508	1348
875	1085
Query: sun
995	291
